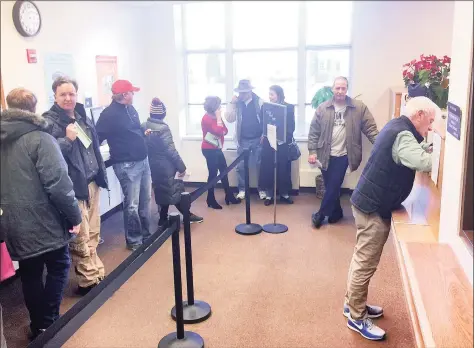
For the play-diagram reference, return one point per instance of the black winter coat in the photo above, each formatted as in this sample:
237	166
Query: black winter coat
165	162
36	197
58	120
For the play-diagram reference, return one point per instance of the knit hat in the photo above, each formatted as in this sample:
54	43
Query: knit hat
157	108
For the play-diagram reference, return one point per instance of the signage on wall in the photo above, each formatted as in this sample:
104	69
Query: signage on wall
31	56
454	120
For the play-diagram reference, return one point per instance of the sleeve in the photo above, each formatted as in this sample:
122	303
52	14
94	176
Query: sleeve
101	128
368	125
314	133
213	127
231	113
53	173
65	144
172	153
409	153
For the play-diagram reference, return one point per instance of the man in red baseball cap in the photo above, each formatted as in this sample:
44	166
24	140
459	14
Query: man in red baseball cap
119	124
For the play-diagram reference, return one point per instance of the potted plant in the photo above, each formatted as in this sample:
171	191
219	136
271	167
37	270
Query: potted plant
431	73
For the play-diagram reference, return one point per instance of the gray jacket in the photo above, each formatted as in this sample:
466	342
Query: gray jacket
234	114
36	197
358	119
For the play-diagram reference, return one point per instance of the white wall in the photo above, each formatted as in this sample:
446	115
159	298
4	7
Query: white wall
462	55
98	28
386	34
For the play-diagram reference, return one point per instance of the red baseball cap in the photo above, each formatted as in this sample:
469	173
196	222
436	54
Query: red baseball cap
123	86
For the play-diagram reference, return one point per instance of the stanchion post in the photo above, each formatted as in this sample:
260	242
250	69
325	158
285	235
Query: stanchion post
248	228
247	154
193	311
180	338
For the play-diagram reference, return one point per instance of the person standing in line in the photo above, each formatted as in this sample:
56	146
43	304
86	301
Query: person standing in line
165	162
245	110
40	213
119	124
386	182
214	131
284	165
86	168
335	140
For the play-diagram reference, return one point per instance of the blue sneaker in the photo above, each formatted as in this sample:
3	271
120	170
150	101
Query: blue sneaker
367	329
373	311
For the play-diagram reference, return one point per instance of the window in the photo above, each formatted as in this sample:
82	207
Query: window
302	47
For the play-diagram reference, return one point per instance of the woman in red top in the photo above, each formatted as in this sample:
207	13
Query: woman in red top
214	131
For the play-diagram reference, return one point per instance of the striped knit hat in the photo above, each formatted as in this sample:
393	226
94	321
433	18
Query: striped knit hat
157	108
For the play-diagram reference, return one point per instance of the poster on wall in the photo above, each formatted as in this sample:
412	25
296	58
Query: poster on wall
106	67
57	64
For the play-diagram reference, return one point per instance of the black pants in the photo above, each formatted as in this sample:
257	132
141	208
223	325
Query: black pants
43	299
164	211
284	169
333	178
216	162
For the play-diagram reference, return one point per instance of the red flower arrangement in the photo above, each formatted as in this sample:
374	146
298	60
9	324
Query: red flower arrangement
431	72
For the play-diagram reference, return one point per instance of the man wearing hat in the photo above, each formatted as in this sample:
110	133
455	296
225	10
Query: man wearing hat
119	124
245	110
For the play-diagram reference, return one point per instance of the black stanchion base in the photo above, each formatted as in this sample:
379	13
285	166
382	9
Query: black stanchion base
275	228
191	340
198	312
248	230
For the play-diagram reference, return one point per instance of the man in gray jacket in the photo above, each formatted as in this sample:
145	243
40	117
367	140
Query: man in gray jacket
40	211
335	140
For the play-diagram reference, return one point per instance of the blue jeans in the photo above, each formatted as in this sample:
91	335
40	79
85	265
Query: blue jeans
136	183
333	178
254	159
44	299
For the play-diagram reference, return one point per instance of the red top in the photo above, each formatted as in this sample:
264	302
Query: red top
209	124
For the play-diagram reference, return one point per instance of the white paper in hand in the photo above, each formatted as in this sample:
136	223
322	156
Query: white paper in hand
182	178
272	136
82	136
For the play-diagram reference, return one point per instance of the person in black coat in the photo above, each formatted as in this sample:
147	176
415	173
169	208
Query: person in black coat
86	168
165	163
284	168
40	213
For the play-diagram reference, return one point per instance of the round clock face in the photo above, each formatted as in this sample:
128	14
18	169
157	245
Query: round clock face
29	17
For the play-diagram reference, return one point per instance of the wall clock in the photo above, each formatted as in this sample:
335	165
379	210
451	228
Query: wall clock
27	18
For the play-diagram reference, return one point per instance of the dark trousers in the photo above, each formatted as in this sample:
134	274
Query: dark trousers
164	211
284	169
333	178
43	299
216	162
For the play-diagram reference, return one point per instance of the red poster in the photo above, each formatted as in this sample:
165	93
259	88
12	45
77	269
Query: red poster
106	67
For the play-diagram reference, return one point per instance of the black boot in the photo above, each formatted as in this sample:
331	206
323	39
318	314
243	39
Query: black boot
211	201
230	199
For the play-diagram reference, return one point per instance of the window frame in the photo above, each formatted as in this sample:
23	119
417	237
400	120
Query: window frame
301	48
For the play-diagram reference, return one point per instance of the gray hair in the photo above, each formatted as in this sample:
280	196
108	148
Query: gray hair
424	104
61	80
340	78
118	97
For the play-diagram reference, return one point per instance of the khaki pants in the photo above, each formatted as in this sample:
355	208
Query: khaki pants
88	266
372	233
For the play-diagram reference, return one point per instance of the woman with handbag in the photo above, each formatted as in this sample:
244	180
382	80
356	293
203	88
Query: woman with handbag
214	131
286	153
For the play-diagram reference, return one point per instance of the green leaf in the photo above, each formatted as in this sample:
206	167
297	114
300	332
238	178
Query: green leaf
424	76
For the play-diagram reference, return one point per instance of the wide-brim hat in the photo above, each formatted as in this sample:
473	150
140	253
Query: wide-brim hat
244	86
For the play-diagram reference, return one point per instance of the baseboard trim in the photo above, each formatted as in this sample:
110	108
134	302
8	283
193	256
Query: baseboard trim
293	192
111	212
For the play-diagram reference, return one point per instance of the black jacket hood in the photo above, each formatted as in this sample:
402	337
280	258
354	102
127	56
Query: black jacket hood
15	123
